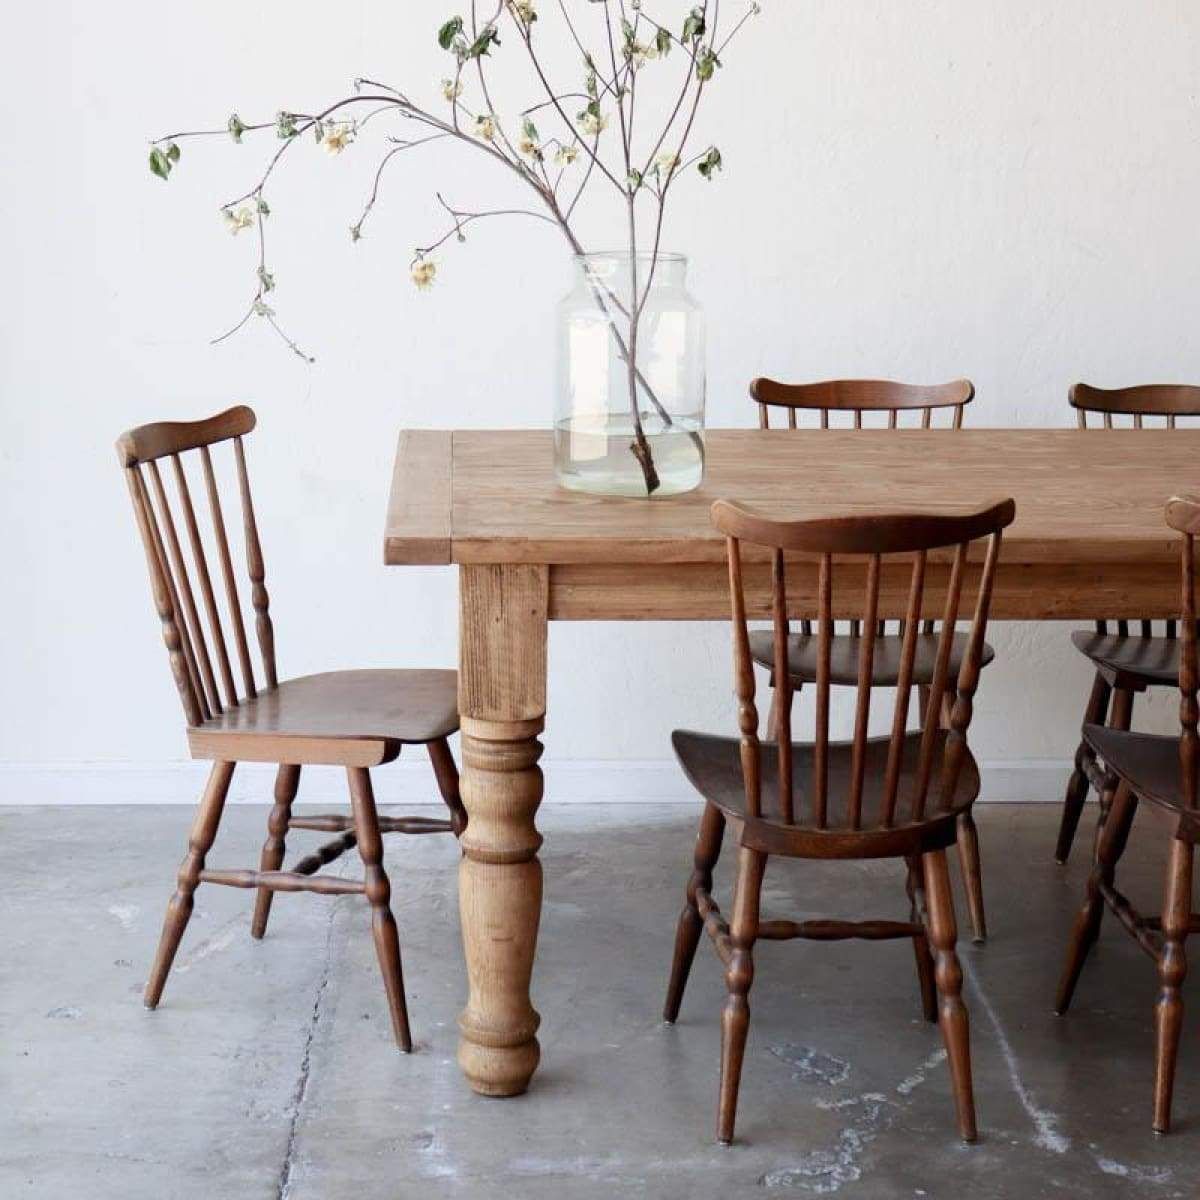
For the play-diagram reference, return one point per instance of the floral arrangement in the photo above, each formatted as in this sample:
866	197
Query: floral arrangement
569	139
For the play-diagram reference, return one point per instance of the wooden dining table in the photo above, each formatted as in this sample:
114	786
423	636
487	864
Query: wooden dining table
1089	542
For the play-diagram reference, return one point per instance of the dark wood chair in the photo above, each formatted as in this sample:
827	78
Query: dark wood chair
1161	774
352	719
876	399
1126	662
899	796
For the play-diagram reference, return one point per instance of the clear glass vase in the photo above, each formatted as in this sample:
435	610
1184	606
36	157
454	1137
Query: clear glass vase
629	419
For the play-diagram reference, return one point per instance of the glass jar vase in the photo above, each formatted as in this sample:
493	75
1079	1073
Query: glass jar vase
629	419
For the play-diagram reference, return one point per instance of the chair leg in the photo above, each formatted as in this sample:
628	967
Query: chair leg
952	1013
379	893
687	932
1087	924
287	782
1172	969
204	833
1120	718
1077	785
739	974
918	910
972	873
446	771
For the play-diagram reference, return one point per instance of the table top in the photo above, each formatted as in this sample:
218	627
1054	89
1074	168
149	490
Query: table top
1083	496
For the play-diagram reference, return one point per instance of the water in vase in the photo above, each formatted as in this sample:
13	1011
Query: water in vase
594	454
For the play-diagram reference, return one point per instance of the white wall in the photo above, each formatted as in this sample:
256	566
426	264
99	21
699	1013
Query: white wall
1003	189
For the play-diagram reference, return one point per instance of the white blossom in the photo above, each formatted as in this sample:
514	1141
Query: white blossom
235	222
485	126
338	136
592	123
666	162
640	55
566	155
423	273
525	9
451	89
529	147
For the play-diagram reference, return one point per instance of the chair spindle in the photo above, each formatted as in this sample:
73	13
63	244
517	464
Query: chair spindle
231	592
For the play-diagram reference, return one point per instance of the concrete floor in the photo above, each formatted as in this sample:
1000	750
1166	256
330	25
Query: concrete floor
268	1071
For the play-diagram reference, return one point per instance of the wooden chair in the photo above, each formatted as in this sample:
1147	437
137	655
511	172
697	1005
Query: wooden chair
1126	663
891	797
352	719
1162	773
875	398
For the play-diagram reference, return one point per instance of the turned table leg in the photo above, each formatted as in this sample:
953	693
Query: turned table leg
502	701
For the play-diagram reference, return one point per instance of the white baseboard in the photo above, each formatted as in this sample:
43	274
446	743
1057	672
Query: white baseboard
579	781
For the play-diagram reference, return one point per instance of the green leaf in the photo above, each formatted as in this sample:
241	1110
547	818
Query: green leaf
706	63
285	125
449	32
160	164
635	180
173	153
694	26
710	162
235	127
662	40
266	279
262	207
480	46
529	129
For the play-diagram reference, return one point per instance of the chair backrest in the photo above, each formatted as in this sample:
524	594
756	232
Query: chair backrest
1152	405
139	452
858	396
1145	406
1183	514
853	540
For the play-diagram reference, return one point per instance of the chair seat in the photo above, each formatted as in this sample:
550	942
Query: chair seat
346	718
1149	764
713	766
1148	661
803	652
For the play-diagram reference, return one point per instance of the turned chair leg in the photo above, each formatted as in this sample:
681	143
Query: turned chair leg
687	933
1077	785
379	893
1120	718
972	873
968	836
287	782
1086	930
919	914
1172	970
179	910
739	974
952	1013
446	771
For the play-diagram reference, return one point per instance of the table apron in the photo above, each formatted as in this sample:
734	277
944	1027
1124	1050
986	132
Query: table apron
1023	591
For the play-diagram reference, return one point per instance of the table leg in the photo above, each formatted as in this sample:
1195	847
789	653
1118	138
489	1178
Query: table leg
502	701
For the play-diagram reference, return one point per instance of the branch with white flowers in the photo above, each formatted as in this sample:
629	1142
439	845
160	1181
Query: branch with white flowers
631	40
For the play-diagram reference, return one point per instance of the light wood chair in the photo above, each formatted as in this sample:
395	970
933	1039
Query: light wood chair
899	796
1163	774
836	402
351	719
1126	662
